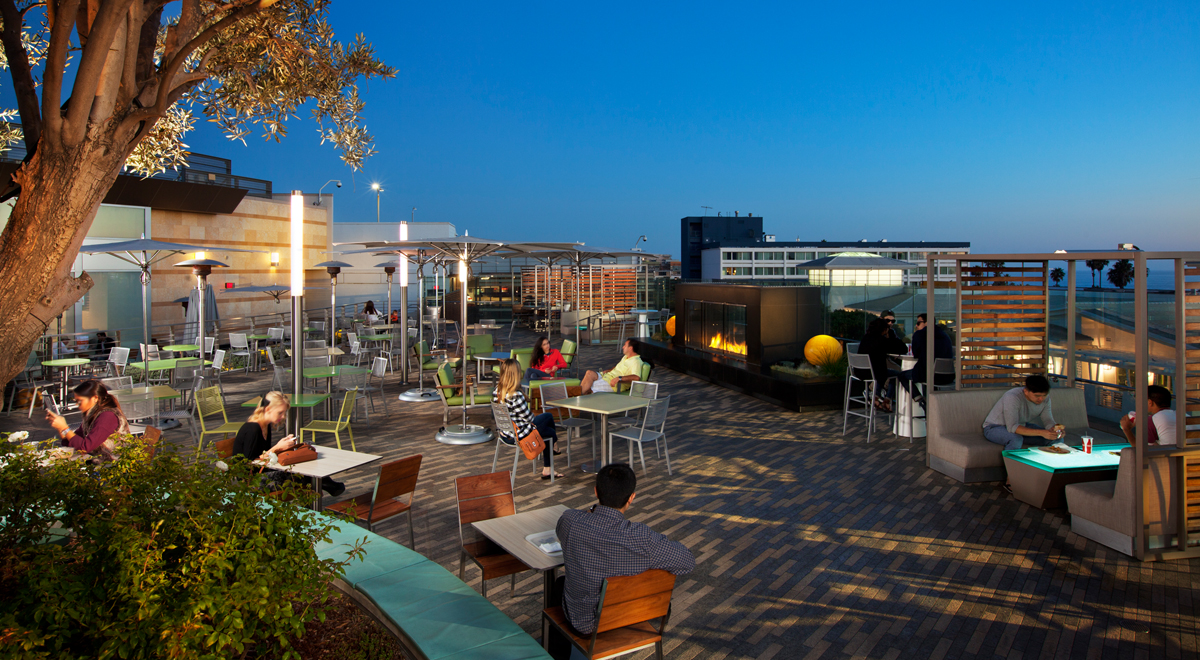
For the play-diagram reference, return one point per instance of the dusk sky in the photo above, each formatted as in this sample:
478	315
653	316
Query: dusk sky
1022	127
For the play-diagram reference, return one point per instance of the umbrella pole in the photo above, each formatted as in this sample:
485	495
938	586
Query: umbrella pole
145	319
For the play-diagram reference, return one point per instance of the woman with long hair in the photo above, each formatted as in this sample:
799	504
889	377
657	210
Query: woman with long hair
102	417
545	360
508	392
370	313
253	439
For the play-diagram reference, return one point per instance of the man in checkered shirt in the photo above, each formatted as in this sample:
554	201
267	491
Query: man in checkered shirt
598	543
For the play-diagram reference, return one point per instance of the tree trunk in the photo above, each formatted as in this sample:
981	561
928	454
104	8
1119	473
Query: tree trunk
61	188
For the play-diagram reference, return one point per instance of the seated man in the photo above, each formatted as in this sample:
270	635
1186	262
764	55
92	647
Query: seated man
1011	421
627	370
943	347
599	543
1162	431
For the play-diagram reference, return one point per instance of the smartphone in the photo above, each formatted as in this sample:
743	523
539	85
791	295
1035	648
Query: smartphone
49	404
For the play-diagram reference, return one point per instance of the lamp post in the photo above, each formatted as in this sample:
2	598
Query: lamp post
378	189
297	268
403	263
333	268
201	268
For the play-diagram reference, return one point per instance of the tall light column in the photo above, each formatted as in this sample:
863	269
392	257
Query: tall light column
297	266
403	263
464	273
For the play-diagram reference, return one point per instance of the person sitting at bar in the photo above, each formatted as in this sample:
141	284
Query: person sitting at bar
890	316
545	361
627	370
253	440
1162	429
878	344
599	543
943	347
102	417
508	392
370	313
1013	421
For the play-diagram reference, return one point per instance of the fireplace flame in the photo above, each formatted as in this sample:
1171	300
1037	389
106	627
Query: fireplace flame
720	343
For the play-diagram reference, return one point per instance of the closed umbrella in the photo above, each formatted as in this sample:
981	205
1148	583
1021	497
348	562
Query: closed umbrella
191	328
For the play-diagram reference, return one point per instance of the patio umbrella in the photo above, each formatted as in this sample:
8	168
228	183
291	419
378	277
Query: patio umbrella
191	320
144	253
276	291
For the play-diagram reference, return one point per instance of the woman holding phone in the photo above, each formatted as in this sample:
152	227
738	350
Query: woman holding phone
253	440
102	417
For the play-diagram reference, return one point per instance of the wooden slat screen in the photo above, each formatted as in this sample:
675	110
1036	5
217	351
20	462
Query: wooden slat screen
1187	406
1003	322
601	287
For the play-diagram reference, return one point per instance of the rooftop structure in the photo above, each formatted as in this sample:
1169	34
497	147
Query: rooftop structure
741	261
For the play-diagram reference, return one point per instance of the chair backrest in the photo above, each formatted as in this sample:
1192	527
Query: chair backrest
317	325
224	447
275	333
647	369
186	369
641	388
318	361
524	357
314	343
568	350
852	346
137	406
656	413
238	340
208	402
209	343
398	478
150	438
483	497
118	355
352	380
118	383
943	366
501	417
858	361
379	367
149	351
348	404
218	360
271	355
552	392
631	599
479	344
352	338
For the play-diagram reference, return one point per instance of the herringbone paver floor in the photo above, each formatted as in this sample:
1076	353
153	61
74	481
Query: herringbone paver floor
812	545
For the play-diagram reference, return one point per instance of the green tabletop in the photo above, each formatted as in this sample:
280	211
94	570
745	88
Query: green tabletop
603	403
303	401
336	370
1102	457
258	337
181	348
163	365
375	337
158	391
66	362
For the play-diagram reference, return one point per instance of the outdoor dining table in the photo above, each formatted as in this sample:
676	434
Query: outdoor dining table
329	373
331	351
181	348
601	404
254	347
494	356
329	462
65	365
513	532
158	392
910	416
307	400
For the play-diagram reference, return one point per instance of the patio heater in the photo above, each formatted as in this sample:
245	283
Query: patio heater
297	268
201	268
463	434
388	267
334	268
418	394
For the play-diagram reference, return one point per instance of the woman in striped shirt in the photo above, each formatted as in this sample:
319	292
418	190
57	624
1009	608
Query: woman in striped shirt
508	392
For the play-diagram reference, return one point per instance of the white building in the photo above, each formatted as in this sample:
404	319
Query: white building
780	261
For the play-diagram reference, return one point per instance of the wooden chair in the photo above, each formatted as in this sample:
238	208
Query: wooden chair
395	480
209	402
342	423
625	615
483	497
150	437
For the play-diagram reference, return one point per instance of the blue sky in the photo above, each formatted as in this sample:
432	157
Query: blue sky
1022	127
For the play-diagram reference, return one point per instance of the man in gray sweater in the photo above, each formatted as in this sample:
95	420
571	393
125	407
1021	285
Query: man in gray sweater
1022	416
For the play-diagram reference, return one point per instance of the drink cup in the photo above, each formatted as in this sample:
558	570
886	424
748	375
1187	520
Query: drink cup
1087	444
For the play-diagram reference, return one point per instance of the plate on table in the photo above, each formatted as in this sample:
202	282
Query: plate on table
1054	450
547	542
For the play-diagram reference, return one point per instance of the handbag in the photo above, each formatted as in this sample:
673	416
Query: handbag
531	445
297	454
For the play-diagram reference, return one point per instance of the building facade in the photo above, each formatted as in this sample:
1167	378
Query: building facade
740	261
699	232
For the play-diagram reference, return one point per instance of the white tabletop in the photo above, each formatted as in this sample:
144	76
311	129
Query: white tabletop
509	532
602	403
313	352
329	462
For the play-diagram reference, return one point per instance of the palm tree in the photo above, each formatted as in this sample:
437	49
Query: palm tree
1121	274
1096	266
1057	275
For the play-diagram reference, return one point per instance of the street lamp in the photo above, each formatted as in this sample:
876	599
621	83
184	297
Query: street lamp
297	267
378	189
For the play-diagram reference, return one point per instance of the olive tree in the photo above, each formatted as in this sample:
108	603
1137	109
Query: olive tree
103	85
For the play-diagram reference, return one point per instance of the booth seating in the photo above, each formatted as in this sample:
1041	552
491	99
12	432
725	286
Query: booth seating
1103	511
956	446
432	612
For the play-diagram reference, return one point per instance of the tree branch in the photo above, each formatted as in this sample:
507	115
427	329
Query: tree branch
91	68
56	59
133	36
22	76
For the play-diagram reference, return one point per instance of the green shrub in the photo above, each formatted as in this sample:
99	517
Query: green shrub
168	558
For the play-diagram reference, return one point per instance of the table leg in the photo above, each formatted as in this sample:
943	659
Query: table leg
317	503
547	586
588	467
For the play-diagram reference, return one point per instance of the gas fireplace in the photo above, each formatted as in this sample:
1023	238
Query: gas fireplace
746	324
718	327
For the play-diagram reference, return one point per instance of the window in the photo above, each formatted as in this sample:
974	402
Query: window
768	256
794	270
736	270
769	271
801	256
736	256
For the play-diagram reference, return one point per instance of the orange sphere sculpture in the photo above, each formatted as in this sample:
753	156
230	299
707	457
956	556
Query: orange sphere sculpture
822	349
671	326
